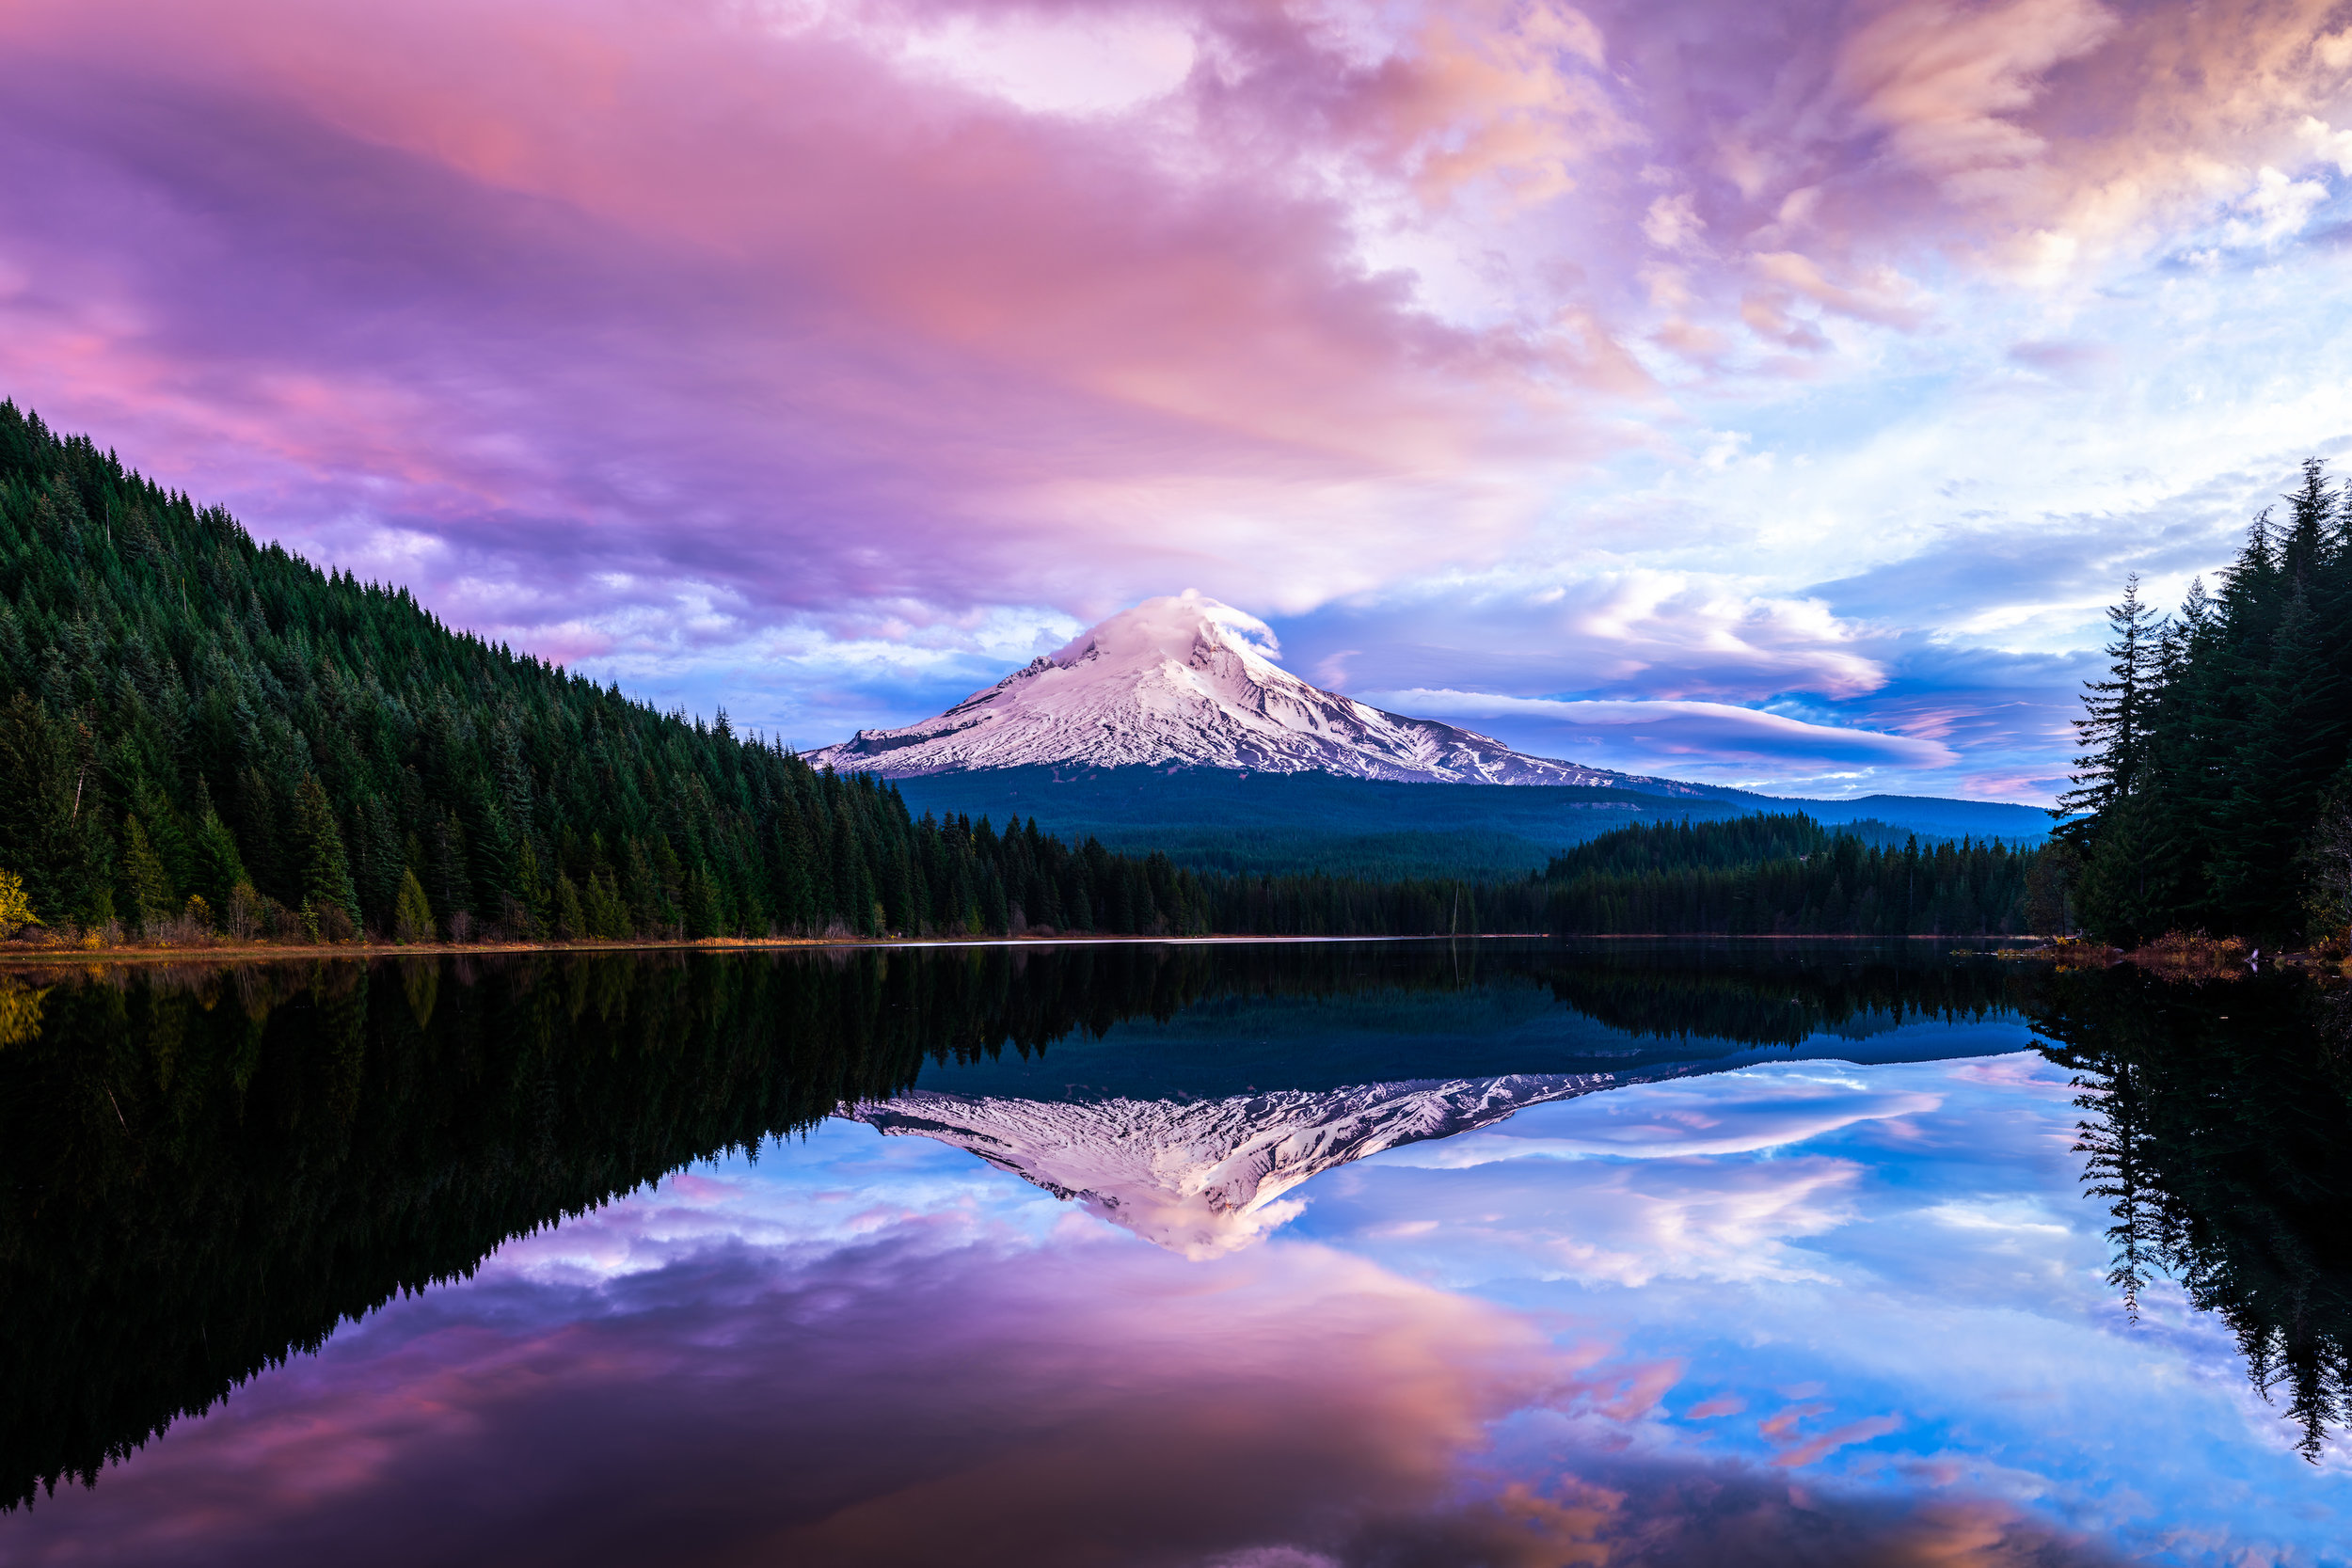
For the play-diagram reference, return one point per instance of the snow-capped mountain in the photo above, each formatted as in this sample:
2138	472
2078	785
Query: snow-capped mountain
1206	1176
1186	681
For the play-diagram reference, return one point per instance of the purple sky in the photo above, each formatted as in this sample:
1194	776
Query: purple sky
1768	393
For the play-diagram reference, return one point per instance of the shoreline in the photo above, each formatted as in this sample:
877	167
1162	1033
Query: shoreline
14	955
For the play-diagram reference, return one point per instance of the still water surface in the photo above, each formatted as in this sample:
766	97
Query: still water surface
1262	1257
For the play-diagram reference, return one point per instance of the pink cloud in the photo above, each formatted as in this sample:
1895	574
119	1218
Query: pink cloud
735	297
1815	1449
660	332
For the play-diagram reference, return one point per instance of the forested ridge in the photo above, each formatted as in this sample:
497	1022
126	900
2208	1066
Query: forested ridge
199	732
2214	790
1785	875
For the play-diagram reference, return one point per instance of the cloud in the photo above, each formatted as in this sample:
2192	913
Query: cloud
1624	632
1629	1225
1944	81
1713	730
775	354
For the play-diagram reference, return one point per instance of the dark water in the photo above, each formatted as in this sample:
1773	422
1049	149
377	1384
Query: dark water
1254	1256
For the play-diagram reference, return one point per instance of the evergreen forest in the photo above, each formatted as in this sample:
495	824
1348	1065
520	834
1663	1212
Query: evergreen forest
202	734
1785	875
2214	790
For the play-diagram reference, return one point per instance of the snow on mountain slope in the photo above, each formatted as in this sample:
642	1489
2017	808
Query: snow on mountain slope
1186	681
1206	1176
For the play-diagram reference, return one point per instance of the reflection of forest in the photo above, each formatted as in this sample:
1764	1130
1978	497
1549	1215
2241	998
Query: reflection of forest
208	1169
2220	1131
1781	994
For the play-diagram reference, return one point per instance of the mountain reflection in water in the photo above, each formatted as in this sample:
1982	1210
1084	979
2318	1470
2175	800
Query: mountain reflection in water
866	1350
1205	1176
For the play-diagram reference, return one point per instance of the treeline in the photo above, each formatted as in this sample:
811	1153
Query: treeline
201	734
1786	876
2214	791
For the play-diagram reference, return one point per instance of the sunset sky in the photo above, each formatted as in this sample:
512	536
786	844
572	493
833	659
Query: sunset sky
1768	393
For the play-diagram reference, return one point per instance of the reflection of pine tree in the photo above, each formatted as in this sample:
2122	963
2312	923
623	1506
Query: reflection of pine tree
2112	1171
2220	1136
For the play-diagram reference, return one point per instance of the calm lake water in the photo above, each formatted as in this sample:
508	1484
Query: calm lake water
1266	1256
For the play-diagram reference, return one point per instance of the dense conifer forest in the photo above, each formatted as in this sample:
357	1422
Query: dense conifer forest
201	734
2214	791
1785	875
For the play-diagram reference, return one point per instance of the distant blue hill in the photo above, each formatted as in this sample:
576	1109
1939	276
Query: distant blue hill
1218	819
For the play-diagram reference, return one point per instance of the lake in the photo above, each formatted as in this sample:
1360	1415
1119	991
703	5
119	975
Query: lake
1279	1255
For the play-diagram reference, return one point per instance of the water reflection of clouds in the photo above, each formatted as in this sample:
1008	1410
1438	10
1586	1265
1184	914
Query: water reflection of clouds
1622	1223
1896	1281
889	1401
896	1402
1847	1347
1762	1108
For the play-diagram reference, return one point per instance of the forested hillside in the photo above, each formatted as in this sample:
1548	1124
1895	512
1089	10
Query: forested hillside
1787	876
198	732
2214	782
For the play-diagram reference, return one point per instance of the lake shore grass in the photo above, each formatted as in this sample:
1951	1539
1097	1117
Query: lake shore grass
2184	955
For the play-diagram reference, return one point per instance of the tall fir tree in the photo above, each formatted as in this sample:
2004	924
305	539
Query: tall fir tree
325	865
2246	721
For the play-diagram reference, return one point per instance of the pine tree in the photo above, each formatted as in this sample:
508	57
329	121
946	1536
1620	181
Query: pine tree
2293	744
571	919
218	867
146	885
2126	892
326	868
2326	863
48	835
538	897
703	917
2113	728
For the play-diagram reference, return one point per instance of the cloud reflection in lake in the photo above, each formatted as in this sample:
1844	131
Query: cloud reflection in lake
1871	1329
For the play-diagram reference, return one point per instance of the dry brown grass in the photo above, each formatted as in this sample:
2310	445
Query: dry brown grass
2191	956
2066	953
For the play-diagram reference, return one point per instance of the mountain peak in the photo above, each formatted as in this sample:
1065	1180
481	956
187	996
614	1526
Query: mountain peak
1184	680
1204	1178
1176	628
